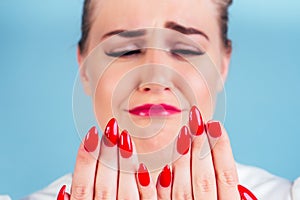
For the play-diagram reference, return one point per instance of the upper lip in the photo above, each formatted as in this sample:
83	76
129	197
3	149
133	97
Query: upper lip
154	109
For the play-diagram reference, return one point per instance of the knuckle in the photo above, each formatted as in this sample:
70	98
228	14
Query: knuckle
80	192
205	184
228	177
182	195
125	198
104	194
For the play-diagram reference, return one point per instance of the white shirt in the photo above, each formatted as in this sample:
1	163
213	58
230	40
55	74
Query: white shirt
264	185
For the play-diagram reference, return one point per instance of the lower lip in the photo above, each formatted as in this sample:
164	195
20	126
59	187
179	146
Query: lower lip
154	110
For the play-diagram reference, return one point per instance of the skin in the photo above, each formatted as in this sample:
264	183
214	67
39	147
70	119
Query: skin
213	177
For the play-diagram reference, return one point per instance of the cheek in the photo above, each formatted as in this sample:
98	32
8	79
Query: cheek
203	85
102	102
104	94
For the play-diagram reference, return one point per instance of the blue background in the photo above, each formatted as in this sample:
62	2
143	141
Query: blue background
38	39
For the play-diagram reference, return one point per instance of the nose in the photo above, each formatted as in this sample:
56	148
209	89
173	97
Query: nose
153	88
157	56
157	72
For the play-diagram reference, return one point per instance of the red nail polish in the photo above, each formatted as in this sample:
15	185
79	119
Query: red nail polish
245	193
91	140
125	144
183	141
195	121
165	177
61	193
213	128
143	175
111	133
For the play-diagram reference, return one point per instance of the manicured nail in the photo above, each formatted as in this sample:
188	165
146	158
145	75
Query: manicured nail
183	141
245	193
143	175
111	133
165	177
61	193
91	140
125	144
195	121
213	128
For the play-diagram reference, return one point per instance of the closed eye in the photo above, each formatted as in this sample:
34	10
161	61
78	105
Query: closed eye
187	52
124	53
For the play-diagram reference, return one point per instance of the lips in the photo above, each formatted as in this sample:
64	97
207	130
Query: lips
147	110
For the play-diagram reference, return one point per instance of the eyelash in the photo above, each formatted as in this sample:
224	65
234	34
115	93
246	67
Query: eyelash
129	53
186	52
124	53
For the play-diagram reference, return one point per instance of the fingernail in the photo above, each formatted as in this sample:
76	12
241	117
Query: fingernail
143	175
91	140
165	177
245	193
183	141
213	128
111	133
125	144
195	121
61	193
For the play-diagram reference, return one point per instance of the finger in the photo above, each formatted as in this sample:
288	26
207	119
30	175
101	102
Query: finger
224	164
163	185
203	175
85	167
127	186
107	169
146	186
181	188
245	193
62	194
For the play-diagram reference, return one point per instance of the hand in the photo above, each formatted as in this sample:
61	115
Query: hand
211	174
98	173
206	168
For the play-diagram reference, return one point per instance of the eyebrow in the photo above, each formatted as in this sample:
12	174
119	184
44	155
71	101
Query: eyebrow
184	30
170	25
125	33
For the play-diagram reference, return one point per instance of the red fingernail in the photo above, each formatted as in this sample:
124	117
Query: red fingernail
143	175
213	128
91	140
61	194
125	144
183	141
165	177
245	193
112	133
195	121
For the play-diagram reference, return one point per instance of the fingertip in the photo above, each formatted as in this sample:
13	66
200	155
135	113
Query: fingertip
111	133
125	145
67	196
213	128
245	193
143	175
165	177
61	193
91	140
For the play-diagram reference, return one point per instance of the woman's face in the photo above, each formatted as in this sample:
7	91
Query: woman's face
150	90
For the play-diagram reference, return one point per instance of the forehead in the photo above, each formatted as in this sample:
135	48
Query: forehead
134	14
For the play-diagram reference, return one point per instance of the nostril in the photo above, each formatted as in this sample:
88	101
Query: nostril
146	89
167	89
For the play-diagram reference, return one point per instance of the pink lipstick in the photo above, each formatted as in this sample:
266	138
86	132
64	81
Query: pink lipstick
147	110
